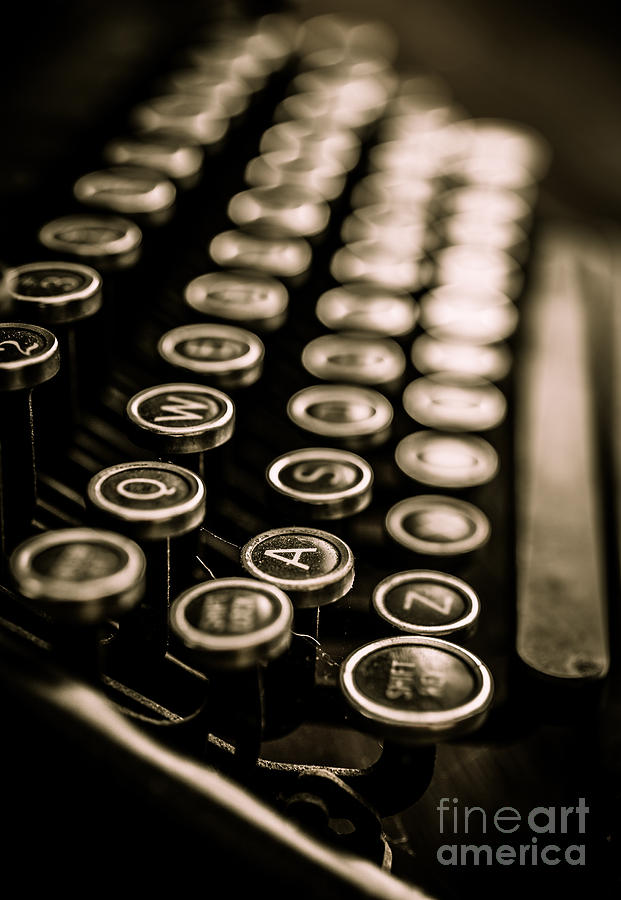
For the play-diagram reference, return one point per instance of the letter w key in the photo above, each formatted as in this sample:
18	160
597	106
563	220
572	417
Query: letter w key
181	408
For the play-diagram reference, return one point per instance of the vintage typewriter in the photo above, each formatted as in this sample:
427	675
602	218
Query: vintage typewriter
308	470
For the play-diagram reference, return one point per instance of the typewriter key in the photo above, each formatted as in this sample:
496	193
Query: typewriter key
287	210
79	578
453	313
181	419
368	308
129	190
224	88
325	483
432	525
391	188
358	359
293	136
153	502
79	575
312	566
283	257
240	296
454	403
324	176
476	269
489	361
354	415
197	120
417	689
176	160
232	623
389	224
29	356
395	268
56	292
446	460
476	231
228	356
428	603
108	242
512	141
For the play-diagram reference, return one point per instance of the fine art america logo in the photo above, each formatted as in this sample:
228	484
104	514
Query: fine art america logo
547	830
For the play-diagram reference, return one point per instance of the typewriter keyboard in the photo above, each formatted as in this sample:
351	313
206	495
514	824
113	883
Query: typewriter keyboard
296	413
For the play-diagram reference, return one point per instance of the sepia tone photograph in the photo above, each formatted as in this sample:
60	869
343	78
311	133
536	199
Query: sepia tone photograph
310	449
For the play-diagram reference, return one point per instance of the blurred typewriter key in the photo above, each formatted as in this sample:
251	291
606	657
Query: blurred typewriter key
417	689
358	359
29	356
464	228
339	112
486	204
321	482
313	567
228	356
324	176
129	190
490	361
106	242
424	602
231	628
256	300
58	294
446	460
454	313
286	210
153	502
389	224
393	189
368	308
353	415
178	161
79	578
232	623
294	136
185	116
181	420
511	141
454	403
392	266
478	269
433	525
229	91
285	257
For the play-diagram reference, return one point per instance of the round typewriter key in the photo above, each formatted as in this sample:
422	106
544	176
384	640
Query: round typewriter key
129	190
454	403
227	90
424	602
328	483
432	525
176	160
108	242
446	460
394	189
508	236
312	566
295	135
490	361
231	357
455	314
181	418
478	269
350	413
151	499
283	257
194	119
492	205
393	267
358	359
417	689
512	141
240	296
233	623
55	291
80	575
367	308
324	176
29	356
286	210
